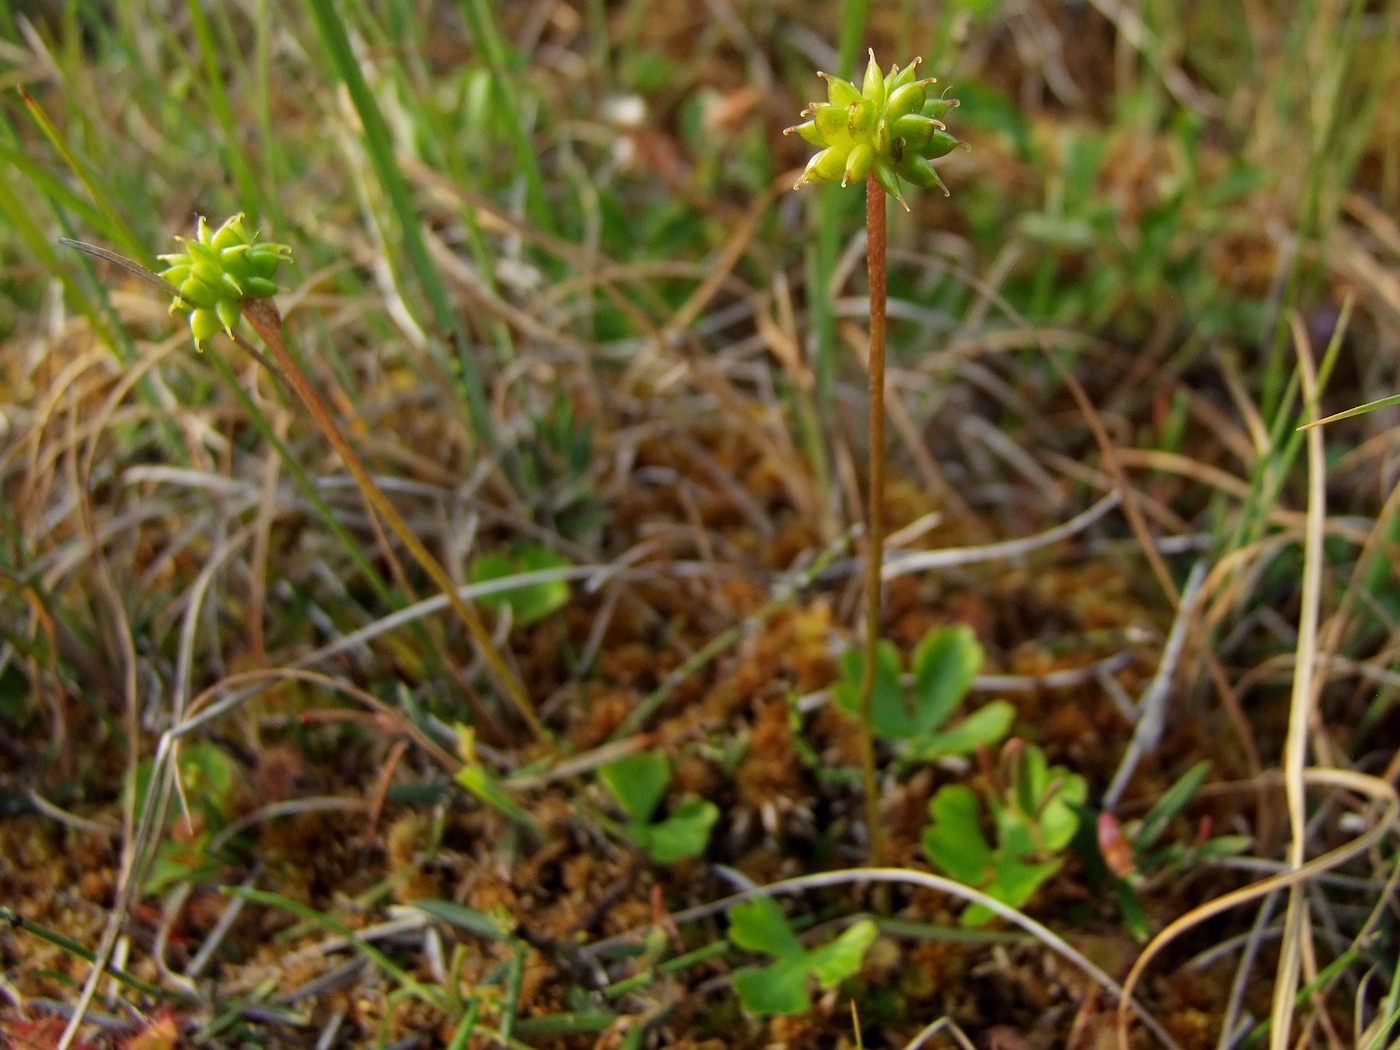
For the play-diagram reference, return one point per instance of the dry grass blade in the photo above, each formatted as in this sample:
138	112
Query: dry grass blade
1379	790
1300	709
671	412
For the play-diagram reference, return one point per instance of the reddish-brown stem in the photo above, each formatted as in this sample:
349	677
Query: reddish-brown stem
875	509
263	317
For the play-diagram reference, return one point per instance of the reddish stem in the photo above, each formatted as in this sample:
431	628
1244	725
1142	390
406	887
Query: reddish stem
875	509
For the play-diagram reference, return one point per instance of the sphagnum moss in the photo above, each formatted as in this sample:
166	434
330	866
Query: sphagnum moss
887	130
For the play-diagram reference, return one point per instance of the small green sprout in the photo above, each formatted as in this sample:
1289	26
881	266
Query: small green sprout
1034	813
638	782
217	271
781	987
890	127
945	662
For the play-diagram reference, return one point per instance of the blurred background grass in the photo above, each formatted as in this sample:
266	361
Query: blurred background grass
531	237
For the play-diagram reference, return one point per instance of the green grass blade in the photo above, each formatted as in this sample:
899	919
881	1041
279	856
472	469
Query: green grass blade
22	222
1370	406
853	15
117	228
16	921
462	1036
828	212
380	148
237	163
482	23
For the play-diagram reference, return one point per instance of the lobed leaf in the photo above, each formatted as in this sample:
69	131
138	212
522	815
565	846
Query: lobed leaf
638	782
840	958
760	926
779	988
953	840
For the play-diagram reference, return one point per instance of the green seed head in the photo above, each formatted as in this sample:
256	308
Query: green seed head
889	127
217	271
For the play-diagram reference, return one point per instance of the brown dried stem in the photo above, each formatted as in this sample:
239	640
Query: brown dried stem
262	315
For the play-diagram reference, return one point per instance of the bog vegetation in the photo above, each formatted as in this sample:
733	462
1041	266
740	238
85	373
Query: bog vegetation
442	598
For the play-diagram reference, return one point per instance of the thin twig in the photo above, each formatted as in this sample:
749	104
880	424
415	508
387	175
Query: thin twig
1151	709
920	561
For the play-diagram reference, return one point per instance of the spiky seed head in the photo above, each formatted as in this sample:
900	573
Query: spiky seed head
217	271
889	127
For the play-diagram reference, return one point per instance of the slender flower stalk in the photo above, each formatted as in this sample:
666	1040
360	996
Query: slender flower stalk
887	130
263	316
227	273
875	508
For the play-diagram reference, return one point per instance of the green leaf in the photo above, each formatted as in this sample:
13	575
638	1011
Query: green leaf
685	833
1222	846
1015	836
1058	819
945	663
1016	881
182	862
637	781
206	777
780	988
493	565
591	1020
838	959
760	926
531	602
1029	779
1013	883
891	715
459	915
953	841
1172	802
985	726
1134	918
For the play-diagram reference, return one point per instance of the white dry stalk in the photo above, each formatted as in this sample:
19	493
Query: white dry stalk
919	561
1151	710
1295	751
